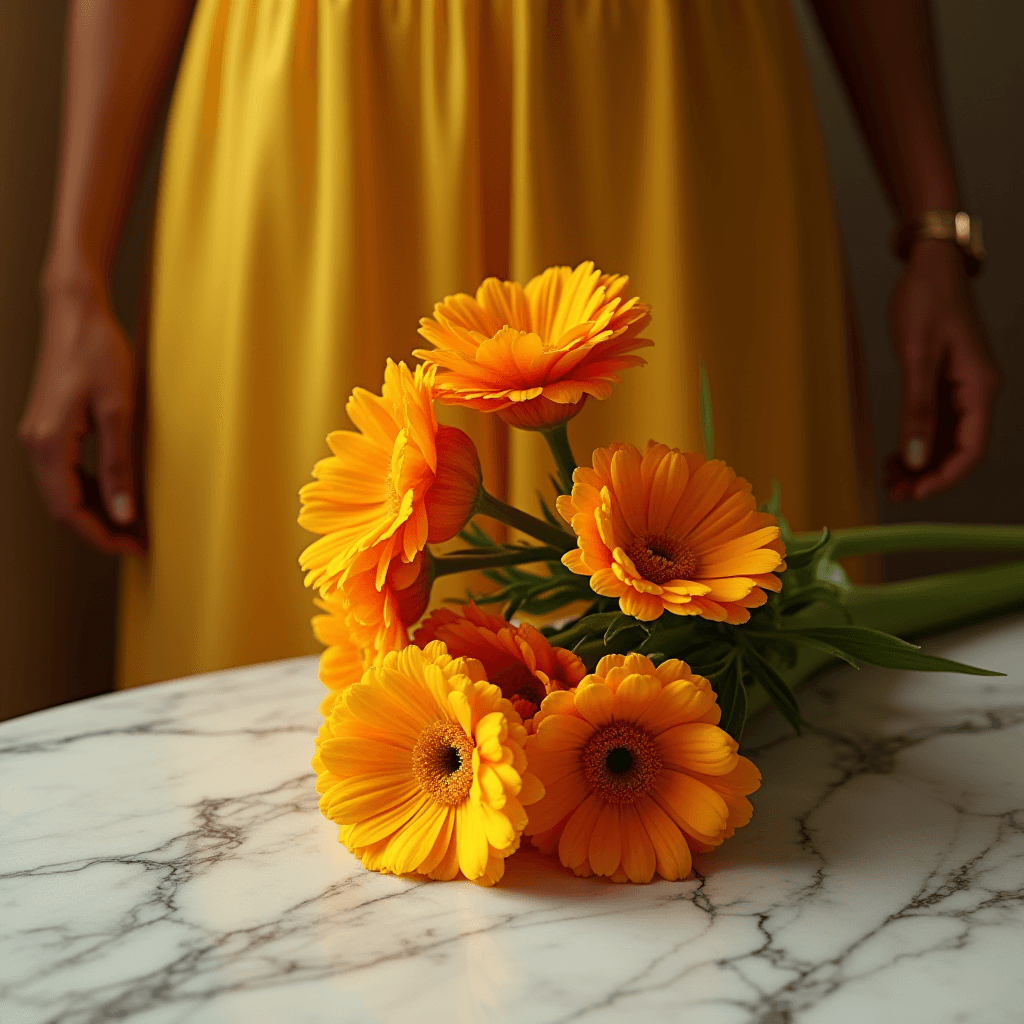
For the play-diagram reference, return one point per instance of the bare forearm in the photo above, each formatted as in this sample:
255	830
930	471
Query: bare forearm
120	54
885	50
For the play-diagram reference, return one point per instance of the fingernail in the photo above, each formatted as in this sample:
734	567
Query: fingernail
915	455
121	506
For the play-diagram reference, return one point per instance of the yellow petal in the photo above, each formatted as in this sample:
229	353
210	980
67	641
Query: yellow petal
574	843
560	799
634	695
689	803
497	828
605	847
699	748
671	853
638	858
413	844
471	839
595	702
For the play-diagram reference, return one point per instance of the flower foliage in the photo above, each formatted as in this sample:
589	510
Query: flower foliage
609	738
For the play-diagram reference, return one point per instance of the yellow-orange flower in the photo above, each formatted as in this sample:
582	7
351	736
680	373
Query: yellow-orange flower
388	488
667	531
636	772
534	354
349	648
518	659
421	763
384	613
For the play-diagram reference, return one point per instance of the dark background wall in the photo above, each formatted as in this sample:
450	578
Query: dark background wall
58	598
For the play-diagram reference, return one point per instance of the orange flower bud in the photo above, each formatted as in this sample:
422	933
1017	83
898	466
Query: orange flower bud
452	497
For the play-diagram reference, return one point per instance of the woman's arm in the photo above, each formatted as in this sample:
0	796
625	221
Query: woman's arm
120	55
886	54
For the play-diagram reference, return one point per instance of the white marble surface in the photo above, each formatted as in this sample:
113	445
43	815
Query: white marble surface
162	860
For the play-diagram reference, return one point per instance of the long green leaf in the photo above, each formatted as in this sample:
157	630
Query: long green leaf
618	624
829	649
878	648
777	688
732	697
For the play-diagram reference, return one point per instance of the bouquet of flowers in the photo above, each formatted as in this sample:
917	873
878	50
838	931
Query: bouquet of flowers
608	738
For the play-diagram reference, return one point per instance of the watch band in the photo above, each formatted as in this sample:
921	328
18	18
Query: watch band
960	228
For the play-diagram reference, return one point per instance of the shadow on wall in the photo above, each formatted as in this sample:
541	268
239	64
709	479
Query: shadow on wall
58	598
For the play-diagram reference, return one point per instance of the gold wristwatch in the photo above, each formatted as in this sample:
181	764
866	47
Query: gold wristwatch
960	228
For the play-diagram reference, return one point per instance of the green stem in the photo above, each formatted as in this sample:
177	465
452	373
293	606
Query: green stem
446	565
909	608
877	540
557	438
495	508
934	603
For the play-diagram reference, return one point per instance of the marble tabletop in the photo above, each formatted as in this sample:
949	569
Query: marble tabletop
162	860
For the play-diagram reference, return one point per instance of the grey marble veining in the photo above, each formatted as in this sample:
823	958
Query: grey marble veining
162	860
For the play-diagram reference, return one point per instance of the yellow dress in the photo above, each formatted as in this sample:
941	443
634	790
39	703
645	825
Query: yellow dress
332	169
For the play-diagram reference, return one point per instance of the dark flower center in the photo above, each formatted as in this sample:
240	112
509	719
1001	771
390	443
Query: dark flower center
621	762
442	762
660	558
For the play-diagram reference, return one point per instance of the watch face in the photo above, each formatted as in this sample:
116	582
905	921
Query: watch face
962	229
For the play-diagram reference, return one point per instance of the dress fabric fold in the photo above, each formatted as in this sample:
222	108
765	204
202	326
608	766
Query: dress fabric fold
332	169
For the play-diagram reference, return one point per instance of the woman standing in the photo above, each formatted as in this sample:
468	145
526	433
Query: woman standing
332	168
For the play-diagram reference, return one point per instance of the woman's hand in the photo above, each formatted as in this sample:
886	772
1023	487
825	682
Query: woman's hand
84	381
950	380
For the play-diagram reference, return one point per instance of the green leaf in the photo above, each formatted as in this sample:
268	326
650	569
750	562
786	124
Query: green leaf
773	506
550	516
586	626
550	602
774	503
776	688
830	649
878	648
803	557
676	642
471	533
732	697
707	416
617	625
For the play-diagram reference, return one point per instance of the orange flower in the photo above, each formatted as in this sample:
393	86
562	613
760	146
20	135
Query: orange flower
518	659
534	354
667	531
390	487
349	650
636	772
421	764
385	613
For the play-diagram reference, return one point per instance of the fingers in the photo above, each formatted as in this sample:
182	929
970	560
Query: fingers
113	420
917	411
55	455
975	385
